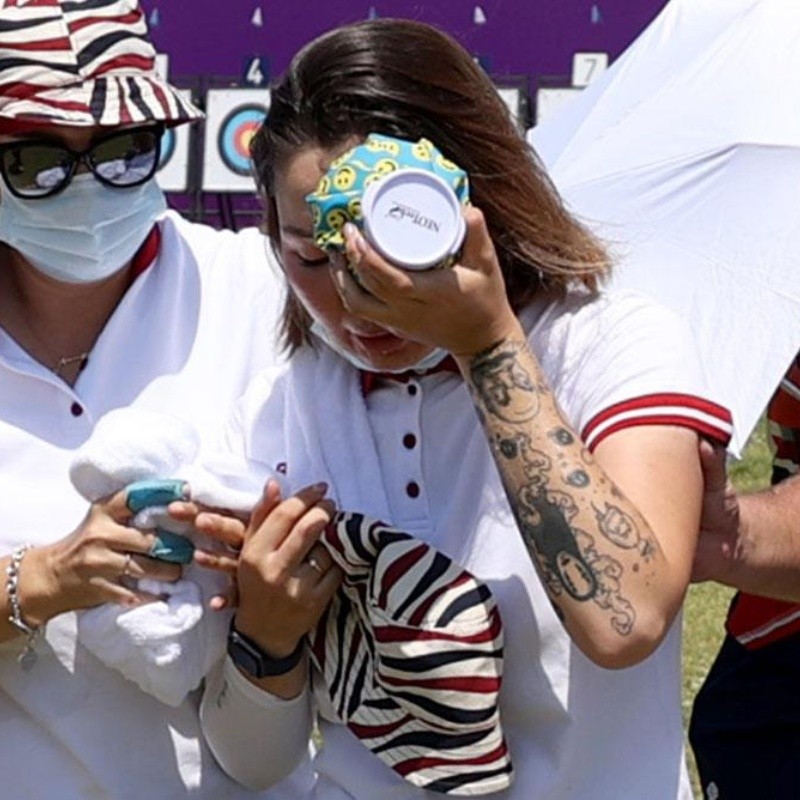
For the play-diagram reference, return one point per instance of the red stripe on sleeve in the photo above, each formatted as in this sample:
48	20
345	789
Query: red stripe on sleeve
673	416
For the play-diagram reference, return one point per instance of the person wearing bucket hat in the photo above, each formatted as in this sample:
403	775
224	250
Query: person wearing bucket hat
502	407
106	301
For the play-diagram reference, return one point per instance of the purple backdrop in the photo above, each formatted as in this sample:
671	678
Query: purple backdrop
207	40
529	37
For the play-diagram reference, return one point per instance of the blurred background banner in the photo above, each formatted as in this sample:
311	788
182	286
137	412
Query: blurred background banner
533	38
685	155
539	53
671	128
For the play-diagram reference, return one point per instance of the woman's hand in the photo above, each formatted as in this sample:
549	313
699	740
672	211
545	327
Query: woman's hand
285	578
281	579
97	563
227	529
463	309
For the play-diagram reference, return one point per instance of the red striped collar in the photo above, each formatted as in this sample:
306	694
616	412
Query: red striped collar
146	254
371	380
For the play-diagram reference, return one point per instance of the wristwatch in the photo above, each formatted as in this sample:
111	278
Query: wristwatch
247	655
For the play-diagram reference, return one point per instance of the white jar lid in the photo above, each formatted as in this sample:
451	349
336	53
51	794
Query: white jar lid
413	218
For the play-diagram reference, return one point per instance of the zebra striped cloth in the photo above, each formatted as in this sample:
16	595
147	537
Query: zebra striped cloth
81	62
410	655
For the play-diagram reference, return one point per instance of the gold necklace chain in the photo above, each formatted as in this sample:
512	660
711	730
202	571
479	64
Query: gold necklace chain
82	359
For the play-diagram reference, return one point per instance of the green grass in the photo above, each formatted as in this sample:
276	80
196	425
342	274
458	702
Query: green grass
707	603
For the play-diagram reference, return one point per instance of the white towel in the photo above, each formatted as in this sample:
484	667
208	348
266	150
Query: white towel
319	433
168	646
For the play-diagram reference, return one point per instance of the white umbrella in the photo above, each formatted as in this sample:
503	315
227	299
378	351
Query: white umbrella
685	155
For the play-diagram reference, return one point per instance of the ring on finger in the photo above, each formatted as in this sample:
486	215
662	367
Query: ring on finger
126	567
315	564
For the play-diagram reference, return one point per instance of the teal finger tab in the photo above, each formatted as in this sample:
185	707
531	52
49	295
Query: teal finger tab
171	547
157	492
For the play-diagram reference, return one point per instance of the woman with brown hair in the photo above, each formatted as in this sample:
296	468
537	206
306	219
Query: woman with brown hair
552	450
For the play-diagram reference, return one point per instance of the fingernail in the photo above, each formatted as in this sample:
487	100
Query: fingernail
354	234
144	494
272	485
320	487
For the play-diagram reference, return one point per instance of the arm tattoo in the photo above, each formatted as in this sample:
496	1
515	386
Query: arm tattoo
566	555
562	436
568	558
578	478
609	592
503	386
621	529
548	534
507	395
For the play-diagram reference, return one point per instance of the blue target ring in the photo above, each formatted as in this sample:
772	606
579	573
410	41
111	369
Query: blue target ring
168	143
233	141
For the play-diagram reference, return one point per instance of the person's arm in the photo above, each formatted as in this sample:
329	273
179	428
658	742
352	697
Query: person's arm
613	534
281	596
750	542
86	568
256	737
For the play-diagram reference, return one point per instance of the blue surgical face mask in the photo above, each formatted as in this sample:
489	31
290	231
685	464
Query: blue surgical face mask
427	362
86	233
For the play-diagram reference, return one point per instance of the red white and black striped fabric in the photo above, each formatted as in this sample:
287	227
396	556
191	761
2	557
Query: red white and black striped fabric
410	655
758	621
81	62
687	411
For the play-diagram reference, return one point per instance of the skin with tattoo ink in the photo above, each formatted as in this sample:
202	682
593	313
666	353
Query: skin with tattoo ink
578	478
562	436
619	528
497	378
544	522
554	542
543	498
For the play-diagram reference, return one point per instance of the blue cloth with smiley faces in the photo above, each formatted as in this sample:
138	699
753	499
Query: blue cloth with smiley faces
337	198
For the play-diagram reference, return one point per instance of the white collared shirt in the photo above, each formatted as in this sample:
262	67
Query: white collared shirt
414	455
185	339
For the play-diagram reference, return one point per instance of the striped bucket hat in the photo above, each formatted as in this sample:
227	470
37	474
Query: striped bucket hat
409	656
81	62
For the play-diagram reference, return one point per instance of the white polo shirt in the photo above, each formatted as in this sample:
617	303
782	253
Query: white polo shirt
185	339
415	455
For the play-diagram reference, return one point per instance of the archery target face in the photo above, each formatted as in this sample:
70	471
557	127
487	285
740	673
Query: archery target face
232	118
234	137
173	166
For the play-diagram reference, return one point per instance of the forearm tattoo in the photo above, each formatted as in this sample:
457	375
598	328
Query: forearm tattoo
504	387
550	492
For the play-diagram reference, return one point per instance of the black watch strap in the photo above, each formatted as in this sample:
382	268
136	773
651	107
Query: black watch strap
247	655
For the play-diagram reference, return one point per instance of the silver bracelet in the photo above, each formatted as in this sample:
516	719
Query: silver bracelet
27	657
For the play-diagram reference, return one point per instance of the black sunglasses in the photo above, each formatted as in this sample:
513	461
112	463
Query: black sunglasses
36	168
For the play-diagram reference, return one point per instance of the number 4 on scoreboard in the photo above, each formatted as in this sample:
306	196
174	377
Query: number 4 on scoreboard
256	71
